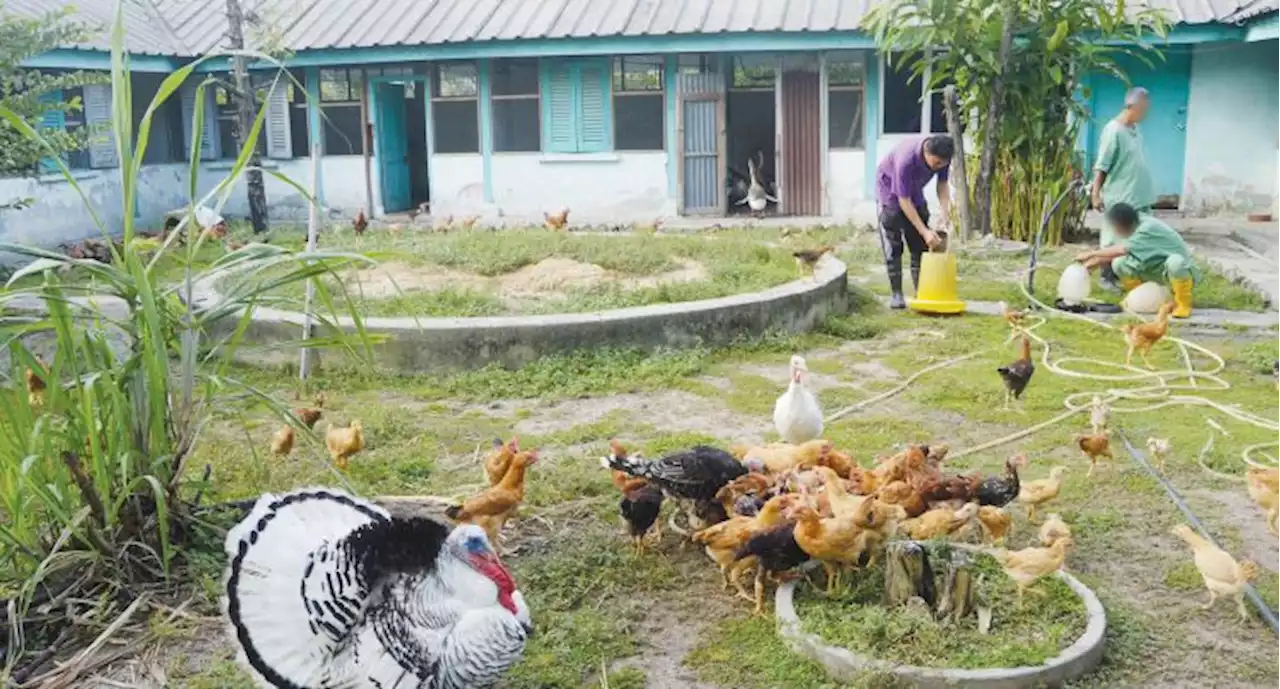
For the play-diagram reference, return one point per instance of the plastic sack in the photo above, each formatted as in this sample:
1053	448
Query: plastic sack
1074	285
1146	298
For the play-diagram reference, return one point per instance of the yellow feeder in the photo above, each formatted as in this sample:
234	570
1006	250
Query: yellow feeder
936	292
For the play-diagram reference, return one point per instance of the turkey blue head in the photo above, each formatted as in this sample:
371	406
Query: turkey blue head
473	547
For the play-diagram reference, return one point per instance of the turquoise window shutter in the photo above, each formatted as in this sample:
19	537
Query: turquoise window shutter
559	114
595	132
55	120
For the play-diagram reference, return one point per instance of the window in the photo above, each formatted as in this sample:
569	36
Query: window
341	91
905	109
638	106
74	122
577	106
299	120
164	144
515	106
754	71
846	89
455	114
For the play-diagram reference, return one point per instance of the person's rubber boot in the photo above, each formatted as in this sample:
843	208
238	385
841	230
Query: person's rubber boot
1181	297
1107	279
915	273
895	285
1130	284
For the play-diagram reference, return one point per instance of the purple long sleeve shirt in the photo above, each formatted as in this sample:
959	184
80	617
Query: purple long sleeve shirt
904	173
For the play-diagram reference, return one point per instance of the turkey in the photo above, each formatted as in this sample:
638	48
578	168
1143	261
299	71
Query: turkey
324	590
693	477
796	415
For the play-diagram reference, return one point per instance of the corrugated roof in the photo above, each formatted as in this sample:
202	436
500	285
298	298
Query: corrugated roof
194	27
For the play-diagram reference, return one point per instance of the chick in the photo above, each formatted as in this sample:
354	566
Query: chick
1093	447
1029	564
1014	317
1159	449
1053	529
1099	415
282	442
1264	490
344	442
996	523
807	260
1018	374
308	416
1036	493
1222	575
360	223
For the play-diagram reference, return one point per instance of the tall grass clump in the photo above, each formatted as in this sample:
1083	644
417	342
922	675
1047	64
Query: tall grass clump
92	466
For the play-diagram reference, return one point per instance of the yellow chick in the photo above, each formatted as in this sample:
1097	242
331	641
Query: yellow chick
1053	529
1222	575
1036	493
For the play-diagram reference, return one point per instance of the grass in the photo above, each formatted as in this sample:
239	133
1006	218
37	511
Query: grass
856	619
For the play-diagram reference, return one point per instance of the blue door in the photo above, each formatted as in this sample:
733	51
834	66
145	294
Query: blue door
1164	133
393	148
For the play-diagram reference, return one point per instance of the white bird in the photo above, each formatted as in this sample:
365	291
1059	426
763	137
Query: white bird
326	590
1159	449
757	197
796	415
1099	415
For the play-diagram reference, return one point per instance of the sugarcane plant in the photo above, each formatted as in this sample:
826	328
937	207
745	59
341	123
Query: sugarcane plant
1022	69
97	433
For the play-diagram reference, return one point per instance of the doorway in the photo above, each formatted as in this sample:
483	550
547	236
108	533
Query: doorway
701	134
751	128
801	154
400	127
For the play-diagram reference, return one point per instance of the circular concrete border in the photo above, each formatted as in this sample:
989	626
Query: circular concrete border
413	345
1078	659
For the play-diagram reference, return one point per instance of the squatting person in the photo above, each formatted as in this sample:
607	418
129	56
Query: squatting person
1147	251
904	216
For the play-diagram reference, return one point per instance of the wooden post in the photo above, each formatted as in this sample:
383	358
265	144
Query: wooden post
907	574
960	177
246	106
313	228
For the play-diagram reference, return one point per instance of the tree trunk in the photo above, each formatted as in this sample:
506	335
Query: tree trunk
991	125
961	177
246	107
907	574
956	599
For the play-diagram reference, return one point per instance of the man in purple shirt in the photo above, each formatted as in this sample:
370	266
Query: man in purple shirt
904	216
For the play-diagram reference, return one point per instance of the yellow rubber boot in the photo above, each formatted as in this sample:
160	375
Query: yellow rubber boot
1181	297
1128	284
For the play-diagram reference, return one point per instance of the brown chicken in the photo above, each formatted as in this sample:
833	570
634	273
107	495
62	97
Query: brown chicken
35	386
722	541
902	494
996	522
1264	489
751	485
882	526
837	461
1143	336
282	442
937	488
1029	564
842	503
776	458
864	481
641	504
1014	317
360	223
1093	447
558	220
308	416
939	522
1053	529
496	464
807	260
1222	575
1036	493
491	508
1017	375
834	542
468	222
320	399
344	442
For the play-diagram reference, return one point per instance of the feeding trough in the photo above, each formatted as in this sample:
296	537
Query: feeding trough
937	293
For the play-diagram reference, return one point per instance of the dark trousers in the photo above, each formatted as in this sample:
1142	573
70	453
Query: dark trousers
895	231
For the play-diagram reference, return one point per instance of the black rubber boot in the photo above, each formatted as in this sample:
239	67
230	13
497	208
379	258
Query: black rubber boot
894	268
915	272
1107	279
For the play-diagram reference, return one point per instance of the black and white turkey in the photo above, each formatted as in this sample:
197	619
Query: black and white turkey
692	477
327	591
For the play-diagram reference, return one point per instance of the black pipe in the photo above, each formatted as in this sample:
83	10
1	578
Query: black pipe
1264	610
1044	225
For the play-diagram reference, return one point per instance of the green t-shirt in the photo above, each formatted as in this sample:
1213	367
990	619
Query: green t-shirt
1120	156
1154	241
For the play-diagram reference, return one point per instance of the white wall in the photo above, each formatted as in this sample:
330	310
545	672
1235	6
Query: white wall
1232	133
618	187
845	185
457	184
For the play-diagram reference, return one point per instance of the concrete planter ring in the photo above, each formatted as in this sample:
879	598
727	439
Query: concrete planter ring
1077	660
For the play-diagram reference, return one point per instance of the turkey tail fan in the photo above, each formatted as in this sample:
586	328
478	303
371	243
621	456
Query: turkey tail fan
285	544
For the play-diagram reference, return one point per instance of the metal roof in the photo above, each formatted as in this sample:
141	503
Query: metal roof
195	27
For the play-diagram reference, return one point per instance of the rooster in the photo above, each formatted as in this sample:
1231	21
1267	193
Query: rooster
1017	374
693	477
327	590
558	220
360	223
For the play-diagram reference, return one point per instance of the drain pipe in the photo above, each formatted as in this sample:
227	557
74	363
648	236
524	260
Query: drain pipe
1264	610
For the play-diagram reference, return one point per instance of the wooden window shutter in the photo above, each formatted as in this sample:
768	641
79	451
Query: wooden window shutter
558	108
279	137
594	130
102	136
55	120
208	142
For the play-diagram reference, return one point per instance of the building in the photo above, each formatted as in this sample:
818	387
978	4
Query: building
618	109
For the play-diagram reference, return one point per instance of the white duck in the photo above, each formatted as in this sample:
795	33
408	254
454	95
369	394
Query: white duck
796	414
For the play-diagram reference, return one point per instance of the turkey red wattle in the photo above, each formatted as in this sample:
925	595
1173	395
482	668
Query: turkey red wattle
489	565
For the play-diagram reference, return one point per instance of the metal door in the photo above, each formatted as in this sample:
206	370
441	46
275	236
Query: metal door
701	135
800	179
393	149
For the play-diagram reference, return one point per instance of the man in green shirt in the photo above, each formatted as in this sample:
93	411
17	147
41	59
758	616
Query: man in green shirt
1120	173
1149	251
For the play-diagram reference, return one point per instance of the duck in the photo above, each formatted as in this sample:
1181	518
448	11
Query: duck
796	415
757	198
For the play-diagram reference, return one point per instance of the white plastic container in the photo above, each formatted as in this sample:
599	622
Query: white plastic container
1146	298
1074	285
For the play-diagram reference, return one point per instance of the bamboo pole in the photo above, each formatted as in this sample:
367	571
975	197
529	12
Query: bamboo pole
313	228
951	105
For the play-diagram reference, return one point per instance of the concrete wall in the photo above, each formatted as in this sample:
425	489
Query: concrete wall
1232	133
457	184
845	186
598	188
